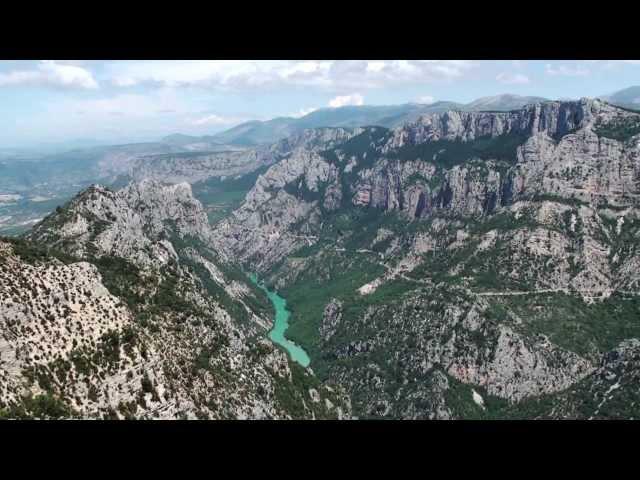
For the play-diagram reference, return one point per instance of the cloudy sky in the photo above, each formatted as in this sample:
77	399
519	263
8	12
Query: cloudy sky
122	101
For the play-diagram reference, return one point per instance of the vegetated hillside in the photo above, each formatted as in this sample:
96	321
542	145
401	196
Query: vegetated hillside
115	307
465	265
627	97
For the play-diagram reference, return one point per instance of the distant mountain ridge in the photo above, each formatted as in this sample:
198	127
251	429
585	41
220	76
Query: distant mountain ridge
256	132
502	102
627	97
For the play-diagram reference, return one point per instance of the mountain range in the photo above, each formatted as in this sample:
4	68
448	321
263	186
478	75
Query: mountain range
464	263
257	132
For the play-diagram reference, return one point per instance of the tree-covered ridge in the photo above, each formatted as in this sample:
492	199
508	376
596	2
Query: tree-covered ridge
621	128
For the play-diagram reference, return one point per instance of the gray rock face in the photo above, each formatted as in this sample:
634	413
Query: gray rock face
195	167
461	341
520	368
555	119
484	208
156	328
260	231
315	139
581	165
330	319
256	132
609	392
130	223
557	152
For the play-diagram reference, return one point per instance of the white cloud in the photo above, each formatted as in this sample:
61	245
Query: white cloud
297	69
68	75
124	82
238	74
214	119
302	112
375	66
566	70
221	73
344	100
512	78
51	73
426	99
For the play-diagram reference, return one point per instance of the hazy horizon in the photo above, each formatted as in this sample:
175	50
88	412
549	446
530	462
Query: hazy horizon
102	102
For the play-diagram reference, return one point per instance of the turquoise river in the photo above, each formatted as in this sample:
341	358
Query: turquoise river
280	325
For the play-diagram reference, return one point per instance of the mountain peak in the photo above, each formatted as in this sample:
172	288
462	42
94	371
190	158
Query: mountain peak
628	97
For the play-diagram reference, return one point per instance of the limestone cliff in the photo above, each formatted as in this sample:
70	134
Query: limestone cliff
115	307
496	250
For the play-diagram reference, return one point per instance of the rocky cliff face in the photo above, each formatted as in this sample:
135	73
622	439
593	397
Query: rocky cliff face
480	239
480	161
115	307
131	223
470	164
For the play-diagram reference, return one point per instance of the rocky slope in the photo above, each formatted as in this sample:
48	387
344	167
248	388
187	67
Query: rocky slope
115	307
132	223
464	262
195	167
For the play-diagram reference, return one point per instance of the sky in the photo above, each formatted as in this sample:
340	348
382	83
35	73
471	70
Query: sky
118	101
